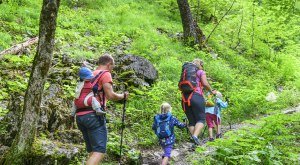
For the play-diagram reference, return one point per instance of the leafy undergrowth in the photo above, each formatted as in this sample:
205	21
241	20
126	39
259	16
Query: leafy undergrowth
255	54
271	140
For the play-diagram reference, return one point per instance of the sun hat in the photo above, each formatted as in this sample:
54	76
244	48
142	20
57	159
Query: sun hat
85	73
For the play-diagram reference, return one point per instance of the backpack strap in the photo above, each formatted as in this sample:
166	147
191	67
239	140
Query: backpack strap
157	120
188	100
94	82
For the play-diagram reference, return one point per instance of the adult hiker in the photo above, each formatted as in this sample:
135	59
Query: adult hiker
163	127
213	115
93	127
193	79
84	96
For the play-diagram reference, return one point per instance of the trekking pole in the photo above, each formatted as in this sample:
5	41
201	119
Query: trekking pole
122	127
203	131
187	128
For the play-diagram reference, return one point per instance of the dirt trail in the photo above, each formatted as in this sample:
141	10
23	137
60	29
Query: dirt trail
180	151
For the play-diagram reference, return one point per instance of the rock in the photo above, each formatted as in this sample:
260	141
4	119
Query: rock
141	71
3	150
292	110
69	136
47	151
124	45
280	89
271	97
9	123
66	60
54	110
175	153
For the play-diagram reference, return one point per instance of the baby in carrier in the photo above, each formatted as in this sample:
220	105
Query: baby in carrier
213	109
86	75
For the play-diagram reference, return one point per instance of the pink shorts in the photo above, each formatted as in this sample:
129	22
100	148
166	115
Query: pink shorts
211	120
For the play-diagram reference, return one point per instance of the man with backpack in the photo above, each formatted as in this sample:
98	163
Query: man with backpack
191	83
163	127
92	126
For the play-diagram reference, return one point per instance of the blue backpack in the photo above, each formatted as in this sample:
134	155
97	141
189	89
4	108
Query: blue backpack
163	129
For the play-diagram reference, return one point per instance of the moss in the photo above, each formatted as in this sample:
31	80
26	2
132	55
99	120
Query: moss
126	74
46	150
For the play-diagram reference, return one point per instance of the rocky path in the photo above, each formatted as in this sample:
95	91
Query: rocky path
181	151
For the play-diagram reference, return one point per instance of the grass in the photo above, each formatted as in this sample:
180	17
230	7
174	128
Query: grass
86	29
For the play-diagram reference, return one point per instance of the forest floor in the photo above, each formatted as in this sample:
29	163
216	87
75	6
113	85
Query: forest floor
181	151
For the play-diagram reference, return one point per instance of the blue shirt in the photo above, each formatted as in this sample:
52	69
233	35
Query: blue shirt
216	110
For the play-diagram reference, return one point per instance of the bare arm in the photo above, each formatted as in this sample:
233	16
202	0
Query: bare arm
110	94
206	84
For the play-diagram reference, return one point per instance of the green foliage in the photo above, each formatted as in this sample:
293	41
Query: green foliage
3	111
244	68
273	140
5	40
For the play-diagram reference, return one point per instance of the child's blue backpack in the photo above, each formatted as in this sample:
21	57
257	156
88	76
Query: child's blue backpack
163	129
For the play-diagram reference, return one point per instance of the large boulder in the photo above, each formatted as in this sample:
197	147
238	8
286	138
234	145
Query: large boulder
135	70
47	151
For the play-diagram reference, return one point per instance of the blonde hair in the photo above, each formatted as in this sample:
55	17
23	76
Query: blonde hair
165	108
219	95
198	62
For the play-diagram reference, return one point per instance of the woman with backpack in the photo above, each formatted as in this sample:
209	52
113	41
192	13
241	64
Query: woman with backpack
163	127
193	80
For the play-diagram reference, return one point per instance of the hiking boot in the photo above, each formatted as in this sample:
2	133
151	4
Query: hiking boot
211	139
196	140
219	136
99	112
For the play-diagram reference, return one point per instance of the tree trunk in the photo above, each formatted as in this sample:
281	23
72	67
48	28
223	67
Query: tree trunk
191	32
31	111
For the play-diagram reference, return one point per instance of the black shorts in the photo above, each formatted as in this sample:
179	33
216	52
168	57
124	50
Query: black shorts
196	111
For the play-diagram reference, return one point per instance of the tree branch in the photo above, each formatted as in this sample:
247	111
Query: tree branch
239	39
17	48
219	22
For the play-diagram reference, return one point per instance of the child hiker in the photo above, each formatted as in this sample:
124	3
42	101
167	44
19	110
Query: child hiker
86	75
164	129
213	114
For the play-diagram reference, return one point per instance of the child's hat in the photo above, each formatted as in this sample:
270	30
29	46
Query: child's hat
85	73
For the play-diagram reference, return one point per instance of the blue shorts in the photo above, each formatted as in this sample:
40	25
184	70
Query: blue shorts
94	132
167	150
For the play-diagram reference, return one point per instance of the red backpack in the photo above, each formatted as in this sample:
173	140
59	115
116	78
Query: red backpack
188	81
89	89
